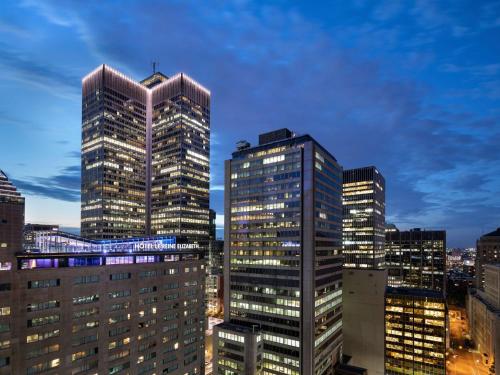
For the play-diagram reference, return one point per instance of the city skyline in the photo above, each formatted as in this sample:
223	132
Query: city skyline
423	89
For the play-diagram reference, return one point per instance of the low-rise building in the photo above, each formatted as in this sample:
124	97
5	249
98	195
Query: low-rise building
483	308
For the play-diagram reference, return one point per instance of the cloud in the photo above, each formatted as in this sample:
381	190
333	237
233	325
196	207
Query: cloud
51	78
371	90
64	186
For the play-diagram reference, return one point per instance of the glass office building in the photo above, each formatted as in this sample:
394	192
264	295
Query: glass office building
145	155
363	200
283	258
416	258
415	332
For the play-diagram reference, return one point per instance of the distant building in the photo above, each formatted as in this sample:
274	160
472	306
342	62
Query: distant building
487	252
416	259
364	277
415	331
283	255
214	288
454	260
483	309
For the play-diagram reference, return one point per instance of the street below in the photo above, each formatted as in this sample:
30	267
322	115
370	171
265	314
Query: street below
462	360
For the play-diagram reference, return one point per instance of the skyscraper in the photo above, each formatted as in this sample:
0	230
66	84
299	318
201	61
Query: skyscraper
363	199
364	277
487	252
283	258
145	155
416	258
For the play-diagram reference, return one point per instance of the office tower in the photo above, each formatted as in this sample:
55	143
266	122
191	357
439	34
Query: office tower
363	201
416	258
145	155
180	153
283	262
487	252
364	276
105	306
113	160
11	235
214	290
415	326
483	310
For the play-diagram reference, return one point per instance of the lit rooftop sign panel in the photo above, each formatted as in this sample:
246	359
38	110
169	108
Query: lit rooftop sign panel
58	242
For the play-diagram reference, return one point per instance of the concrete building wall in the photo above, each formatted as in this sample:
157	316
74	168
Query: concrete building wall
492	284
363	318
135	317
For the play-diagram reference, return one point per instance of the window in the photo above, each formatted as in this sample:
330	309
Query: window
4	361
119	294
42	305
42	336
87	279
4	287
85	299
120	276
41	321
5	311
36	284
45	366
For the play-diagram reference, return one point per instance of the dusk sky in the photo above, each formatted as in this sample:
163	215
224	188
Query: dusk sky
412	87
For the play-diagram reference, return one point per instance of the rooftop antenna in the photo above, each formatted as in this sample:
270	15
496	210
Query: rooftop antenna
155	64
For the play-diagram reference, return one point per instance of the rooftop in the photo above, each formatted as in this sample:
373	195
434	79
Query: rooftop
238	328
277	138
54	242
495	233
8	191
424	293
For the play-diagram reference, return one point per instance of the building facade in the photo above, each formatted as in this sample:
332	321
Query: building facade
121	306
483	310
415	331
238	348
283	258
214	288
145	155
364	276
363	202
416	259
11	242
487	252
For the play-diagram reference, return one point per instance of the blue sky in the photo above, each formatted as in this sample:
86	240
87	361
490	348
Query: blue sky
412	87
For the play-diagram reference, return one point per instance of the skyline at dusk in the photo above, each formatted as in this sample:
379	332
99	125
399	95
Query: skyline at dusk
413	89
